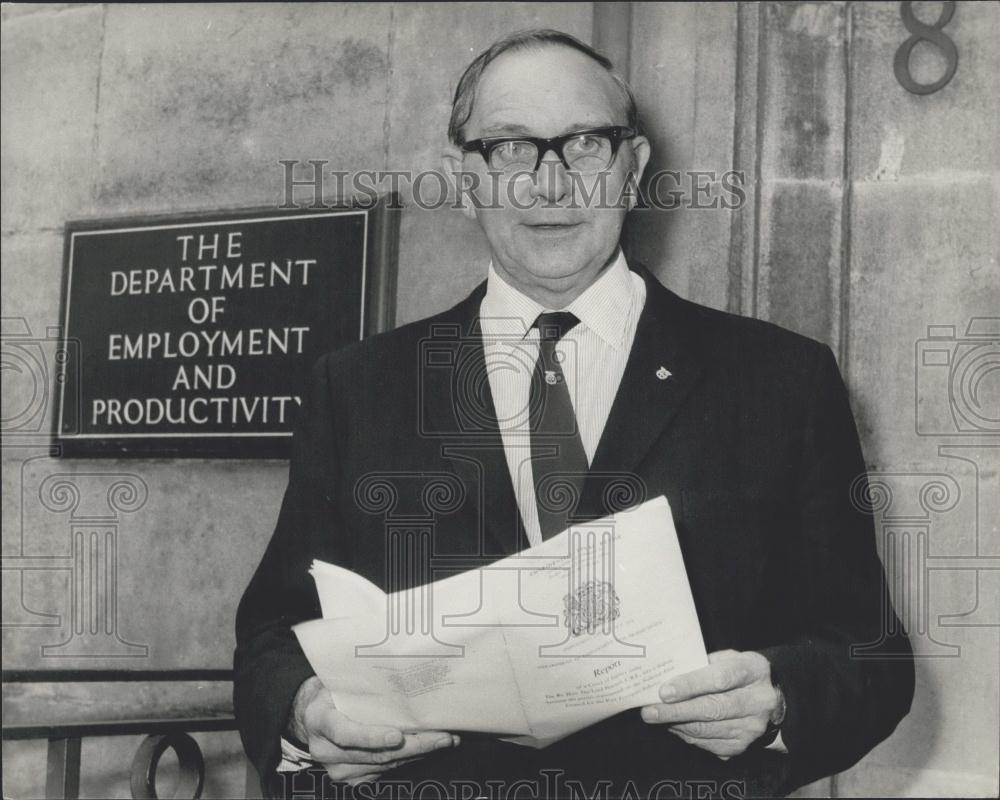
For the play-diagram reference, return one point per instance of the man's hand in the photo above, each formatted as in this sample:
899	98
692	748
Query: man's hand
350	751
722	708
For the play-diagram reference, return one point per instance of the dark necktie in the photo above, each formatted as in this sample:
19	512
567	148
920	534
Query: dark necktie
558	461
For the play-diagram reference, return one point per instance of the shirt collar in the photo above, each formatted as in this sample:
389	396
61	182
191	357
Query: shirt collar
504	311
601	307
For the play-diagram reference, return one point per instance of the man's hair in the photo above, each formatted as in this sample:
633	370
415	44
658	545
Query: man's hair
465	92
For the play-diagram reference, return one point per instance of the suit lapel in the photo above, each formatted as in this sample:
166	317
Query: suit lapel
459	410
661	370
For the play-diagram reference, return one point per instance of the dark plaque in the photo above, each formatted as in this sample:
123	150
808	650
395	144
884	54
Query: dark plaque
194	336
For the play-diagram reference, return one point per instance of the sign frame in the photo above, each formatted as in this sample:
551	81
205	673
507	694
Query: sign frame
378	310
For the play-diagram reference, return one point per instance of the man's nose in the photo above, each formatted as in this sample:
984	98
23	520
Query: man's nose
550	182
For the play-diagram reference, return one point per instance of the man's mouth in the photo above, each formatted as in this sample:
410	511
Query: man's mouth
553	227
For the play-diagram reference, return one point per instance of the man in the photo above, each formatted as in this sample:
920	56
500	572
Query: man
744	427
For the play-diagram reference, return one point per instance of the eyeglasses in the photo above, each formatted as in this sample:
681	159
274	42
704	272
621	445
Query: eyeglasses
584	152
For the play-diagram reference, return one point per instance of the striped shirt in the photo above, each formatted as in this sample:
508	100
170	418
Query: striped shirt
593	354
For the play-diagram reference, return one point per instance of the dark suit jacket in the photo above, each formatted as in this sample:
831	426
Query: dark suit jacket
752	441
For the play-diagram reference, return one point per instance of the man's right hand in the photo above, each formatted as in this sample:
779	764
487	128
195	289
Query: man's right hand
352	752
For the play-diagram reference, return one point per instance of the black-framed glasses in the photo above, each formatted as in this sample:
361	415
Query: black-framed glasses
585	152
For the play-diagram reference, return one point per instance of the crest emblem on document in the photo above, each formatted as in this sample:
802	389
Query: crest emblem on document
593	605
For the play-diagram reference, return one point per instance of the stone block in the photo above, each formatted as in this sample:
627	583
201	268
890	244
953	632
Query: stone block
422	88
199	107
683	71
686	247
933	527
32	277
685	85
923	254
802	87
951	132
51	66
11	11
442	257
943	748
800	262
181	568
32	280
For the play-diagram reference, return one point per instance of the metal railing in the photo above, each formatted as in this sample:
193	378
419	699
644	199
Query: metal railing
63	763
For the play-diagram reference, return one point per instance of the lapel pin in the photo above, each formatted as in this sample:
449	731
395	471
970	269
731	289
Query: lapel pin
663	373
550	377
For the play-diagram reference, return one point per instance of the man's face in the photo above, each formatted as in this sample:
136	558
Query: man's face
547	240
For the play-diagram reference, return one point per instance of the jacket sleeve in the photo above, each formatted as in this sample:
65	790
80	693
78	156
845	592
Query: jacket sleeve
269	666
847	670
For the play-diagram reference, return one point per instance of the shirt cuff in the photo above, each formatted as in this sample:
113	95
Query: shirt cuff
293	759
777	744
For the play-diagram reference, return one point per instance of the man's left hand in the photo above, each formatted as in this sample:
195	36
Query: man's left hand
722	708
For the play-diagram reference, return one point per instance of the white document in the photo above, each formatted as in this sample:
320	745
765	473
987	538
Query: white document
531	648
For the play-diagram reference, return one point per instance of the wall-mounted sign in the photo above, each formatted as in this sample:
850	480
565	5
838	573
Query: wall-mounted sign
194	336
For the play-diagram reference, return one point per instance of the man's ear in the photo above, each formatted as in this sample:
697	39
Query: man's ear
640	158
640	147
459	181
